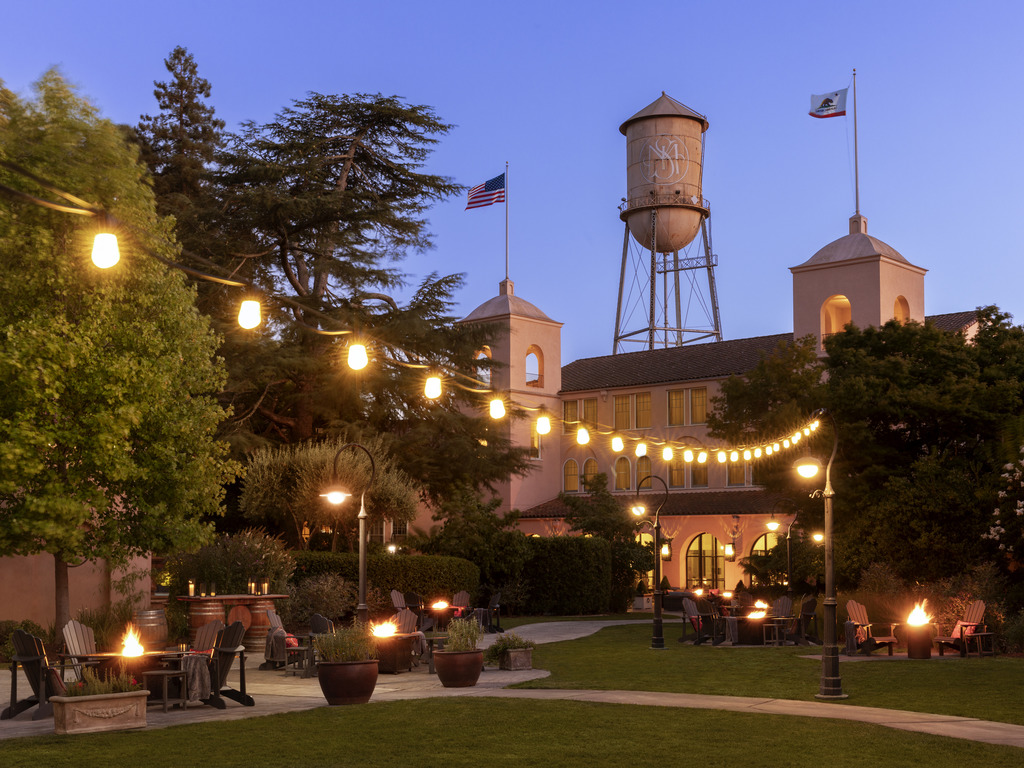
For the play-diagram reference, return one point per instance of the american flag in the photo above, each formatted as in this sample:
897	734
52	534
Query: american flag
490	192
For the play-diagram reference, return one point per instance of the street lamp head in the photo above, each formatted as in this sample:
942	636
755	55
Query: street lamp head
818	537
807	467
773	524
639	510
335	495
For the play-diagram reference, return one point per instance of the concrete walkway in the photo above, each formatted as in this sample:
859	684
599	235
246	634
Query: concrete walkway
276	692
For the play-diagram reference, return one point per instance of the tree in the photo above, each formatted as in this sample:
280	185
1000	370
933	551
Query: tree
107	413
927	419
283	485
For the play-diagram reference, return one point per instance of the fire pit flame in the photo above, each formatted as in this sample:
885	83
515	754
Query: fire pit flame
762	605
918	617
387	629
757	614
132	646
440	605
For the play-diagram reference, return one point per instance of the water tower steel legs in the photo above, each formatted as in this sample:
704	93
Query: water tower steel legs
712	290
654	276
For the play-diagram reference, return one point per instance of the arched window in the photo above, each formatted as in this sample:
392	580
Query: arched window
622	472
705	563
901	309
534	366
589	472
571	476
643	470
835	314
483	372
765	543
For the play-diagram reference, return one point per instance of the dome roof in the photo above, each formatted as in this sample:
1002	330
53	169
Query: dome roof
505	304
666	106
856	245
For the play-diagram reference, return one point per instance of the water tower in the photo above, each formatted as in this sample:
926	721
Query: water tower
663	212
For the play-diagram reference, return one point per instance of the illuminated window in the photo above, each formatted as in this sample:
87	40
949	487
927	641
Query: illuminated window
677	407
699	476
570	415
622	471
705	563
643	470
699	405
622	412
483	372
590	412
765	543
399	529
643	410
571	477
589	472
737	473
677	471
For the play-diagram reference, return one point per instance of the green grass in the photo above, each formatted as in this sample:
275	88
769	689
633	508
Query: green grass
456	732
620	658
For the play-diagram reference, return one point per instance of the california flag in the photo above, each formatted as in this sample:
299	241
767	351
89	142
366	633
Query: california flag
828	104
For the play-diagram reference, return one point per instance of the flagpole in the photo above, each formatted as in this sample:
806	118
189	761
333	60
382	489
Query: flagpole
856	160
506	217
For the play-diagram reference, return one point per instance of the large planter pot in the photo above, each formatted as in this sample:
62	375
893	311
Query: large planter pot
458	669
103	712
517	658
347	682
643	603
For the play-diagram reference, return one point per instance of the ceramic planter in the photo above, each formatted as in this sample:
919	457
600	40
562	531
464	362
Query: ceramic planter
458	669
102	712
517	658
347	682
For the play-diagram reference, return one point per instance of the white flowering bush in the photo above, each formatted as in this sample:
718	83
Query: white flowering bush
1007	528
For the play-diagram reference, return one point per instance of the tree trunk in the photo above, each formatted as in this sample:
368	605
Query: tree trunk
62	598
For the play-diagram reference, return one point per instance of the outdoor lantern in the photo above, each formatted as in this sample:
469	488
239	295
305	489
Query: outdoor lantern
104	250
617	444
638	509
357	356
807	467
543	425
773	524
818	537
433	387
335	495
249	314
730	552
497	408
666	550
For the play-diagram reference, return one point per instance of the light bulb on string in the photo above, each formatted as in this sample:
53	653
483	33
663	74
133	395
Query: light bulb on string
688	456
432	388
249	314
641	449
358	358
667	453
543	425
582	436
497	408
617	444
105	253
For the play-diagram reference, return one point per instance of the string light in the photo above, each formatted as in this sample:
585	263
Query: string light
497	408
667	453
249	314
641	449
543	425
358	358
105	253
617	444
582	436
432	389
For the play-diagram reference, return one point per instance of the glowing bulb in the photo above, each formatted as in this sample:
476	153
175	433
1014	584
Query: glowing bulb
582	436
757	453
335	497
641	449
807	431
773	524
543	425
357	357
796	438
702	457
688	456
734	456
768	450
497	408
249	314
433	387
775	447
639	510
746	455
785	443
104	250
666	453
818	537
722	457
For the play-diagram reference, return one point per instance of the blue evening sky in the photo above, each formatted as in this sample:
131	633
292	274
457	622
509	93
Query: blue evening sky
545	85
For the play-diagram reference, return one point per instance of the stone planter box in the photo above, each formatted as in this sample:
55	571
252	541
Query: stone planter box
643	603
103	712
517	658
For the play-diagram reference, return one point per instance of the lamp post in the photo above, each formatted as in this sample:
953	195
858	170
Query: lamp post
831	686
657	635
335	495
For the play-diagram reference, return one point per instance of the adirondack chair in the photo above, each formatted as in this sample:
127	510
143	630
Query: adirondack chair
320	625
415	604
228	646
280	653
691	620
460	604
776	630
865	640
398	599
964	629
79	642
44	680
711	625
206	636
405	623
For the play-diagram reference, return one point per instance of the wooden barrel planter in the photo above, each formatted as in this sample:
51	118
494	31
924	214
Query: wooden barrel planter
152	628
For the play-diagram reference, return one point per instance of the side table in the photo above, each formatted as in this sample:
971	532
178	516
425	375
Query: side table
164	675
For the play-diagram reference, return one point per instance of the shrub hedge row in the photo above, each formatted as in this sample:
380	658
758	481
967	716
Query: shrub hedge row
568	575
426	575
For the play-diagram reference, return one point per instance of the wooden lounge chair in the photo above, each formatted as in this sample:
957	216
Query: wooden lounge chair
206	636
398	599
228	646
45	681
415	604
776	630
79	642
865	640
460	604
967	626
691	619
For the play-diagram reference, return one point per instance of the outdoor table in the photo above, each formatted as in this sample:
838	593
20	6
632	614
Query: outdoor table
251	610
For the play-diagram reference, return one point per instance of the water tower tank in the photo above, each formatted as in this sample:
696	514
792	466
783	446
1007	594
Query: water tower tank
664	167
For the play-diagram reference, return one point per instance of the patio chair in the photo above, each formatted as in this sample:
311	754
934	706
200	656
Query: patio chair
866	642
206	636
415	604
79	642
691	619
460	605
44	680
405	624
320	625
711	624
964	629
776	630
494	613
228	646
397	599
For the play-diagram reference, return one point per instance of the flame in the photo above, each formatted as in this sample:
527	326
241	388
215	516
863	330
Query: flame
698	592
761	604
387	629
440	605
757	614
727	595
132	646
917	616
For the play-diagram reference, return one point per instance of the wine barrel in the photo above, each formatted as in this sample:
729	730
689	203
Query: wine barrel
152	628
202	611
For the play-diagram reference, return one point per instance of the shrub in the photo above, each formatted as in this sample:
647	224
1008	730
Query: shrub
92	685
1013	633
328	594
7	629
509	641
351	643
231	561
569	575
463	635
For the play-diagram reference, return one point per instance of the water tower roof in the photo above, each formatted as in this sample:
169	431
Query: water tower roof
504	305
665	105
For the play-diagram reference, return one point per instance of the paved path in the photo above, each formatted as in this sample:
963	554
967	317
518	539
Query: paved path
276	692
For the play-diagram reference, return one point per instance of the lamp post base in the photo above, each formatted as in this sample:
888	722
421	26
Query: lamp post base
831	687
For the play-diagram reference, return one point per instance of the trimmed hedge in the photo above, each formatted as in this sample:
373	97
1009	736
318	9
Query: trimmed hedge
568	575
427	575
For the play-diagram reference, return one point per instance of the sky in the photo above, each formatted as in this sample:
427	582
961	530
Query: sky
544	86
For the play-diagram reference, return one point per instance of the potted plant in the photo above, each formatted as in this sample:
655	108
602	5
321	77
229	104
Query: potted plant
346	668
94	704
510	651
460	663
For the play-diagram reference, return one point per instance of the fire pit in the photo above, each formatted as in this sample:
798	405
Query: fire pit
394	649
919	633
